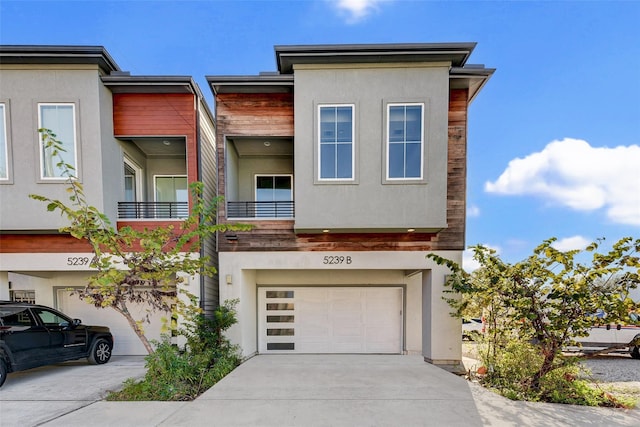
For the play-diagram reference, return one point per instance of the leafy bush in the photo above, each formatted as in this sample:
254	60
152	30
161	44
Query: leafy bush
512	371
537	307
175	373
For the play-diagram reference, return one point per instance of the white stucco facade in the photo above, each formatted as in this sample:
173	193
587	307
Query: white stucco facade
427	327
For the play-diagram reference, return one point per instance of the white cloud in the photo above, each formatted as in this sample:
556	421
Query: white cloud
571	243
575	174
356	10
473	211
469	264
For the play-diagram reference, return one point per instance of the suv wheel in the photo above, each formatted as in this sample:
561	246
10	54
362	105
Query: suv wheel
3	372
635	352
100	352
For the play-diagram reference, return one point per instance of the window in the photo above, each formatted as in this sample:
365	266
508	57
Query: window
132	181
61	119
23	296
4	146
405	141
49	318
336	135
274	194
172	189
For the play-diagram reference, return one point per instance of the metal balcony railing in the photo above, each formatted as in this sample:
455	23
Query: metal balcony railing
152	210
260	209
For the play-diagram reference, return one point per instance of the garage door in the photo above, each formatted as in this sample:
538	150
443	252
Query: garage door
330	320
126	341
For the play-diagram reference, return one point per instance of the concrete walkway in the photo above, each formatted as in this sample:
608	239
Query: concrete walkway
343	390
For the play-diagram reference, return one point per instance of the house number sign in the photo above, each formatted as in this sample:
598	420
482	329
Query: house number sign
337	260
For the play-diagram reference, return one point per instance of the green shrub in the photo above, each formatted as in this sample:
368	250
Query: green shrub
514	365
175	373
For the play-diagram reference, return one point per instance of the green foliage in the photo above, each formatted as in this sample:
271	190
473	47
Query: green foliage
175	373
135	266
537	307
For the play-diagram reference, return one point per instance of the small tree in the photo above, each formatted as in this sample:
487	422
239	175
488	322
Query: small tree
547	300
135	266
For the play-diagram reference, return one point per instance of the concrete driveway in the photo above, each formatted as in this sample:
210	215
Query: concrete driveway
325	390
29	398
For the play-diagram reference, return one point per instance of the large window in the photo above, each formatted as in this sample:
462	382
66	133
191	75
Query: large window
172	189
274	194
4	146
336	134
61	119
405	123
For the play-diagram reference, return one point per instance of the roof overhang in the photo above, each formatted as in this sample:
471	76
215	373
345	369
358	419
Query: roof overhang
472	77
125	83
263	83
455	53
44	54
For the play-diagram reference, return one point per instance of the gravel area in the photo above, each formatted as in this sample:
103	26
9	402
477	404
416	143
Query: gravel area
610	368
614	368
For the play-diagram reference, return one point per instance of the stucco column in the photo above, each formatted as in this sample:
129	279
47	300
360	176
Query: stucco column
441	334
4	285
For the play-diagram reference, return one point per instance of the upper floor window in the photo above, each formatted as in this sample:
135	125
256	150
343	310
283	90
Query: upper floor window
61	120
4	146
336	147
405	144
172	189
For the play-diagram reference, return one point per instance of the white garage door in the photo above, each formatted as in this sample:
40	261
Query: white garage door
330	320
126	342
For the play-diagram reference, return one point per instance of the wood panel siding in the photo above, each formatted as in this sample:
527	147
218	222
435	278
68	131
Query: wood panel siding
258	114
249	114
453	237
42	243
159	114
209	298
280	235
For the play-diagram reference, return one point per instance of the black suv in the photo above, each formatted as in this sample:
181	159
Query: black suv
34	335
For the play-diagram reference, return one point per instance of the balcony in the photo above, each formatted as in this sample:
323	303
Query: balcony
261	210
153	210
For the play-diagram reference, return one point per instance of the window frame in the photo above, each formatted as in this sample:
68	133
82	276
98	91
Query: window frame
137	178
387	143
155	184
319	143
270	175
76	148
6	135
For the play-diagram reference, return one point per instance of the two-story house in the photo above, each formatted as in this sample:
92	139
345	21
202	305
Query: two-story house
136	142
350	163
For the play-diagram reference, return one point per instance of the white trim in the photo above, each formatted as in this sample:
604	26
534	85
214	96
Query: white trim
155	199
138	176
353	143
5	138
255	183
422	139
76	172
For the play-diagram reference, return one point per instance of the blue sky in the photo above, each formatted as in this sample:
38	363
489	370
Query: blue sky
554	137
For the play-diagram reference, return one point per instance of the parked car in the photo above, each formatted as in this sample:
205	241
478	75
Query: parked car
34	335
472	328
614	336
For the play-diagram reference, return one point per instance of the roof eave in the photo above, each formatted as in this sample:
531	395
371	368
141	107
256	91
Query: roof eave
455	53
263	83
58	54
125	83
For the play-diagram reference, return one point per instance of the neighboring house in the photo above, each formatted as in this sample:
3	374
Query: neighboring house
136	143
350	163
